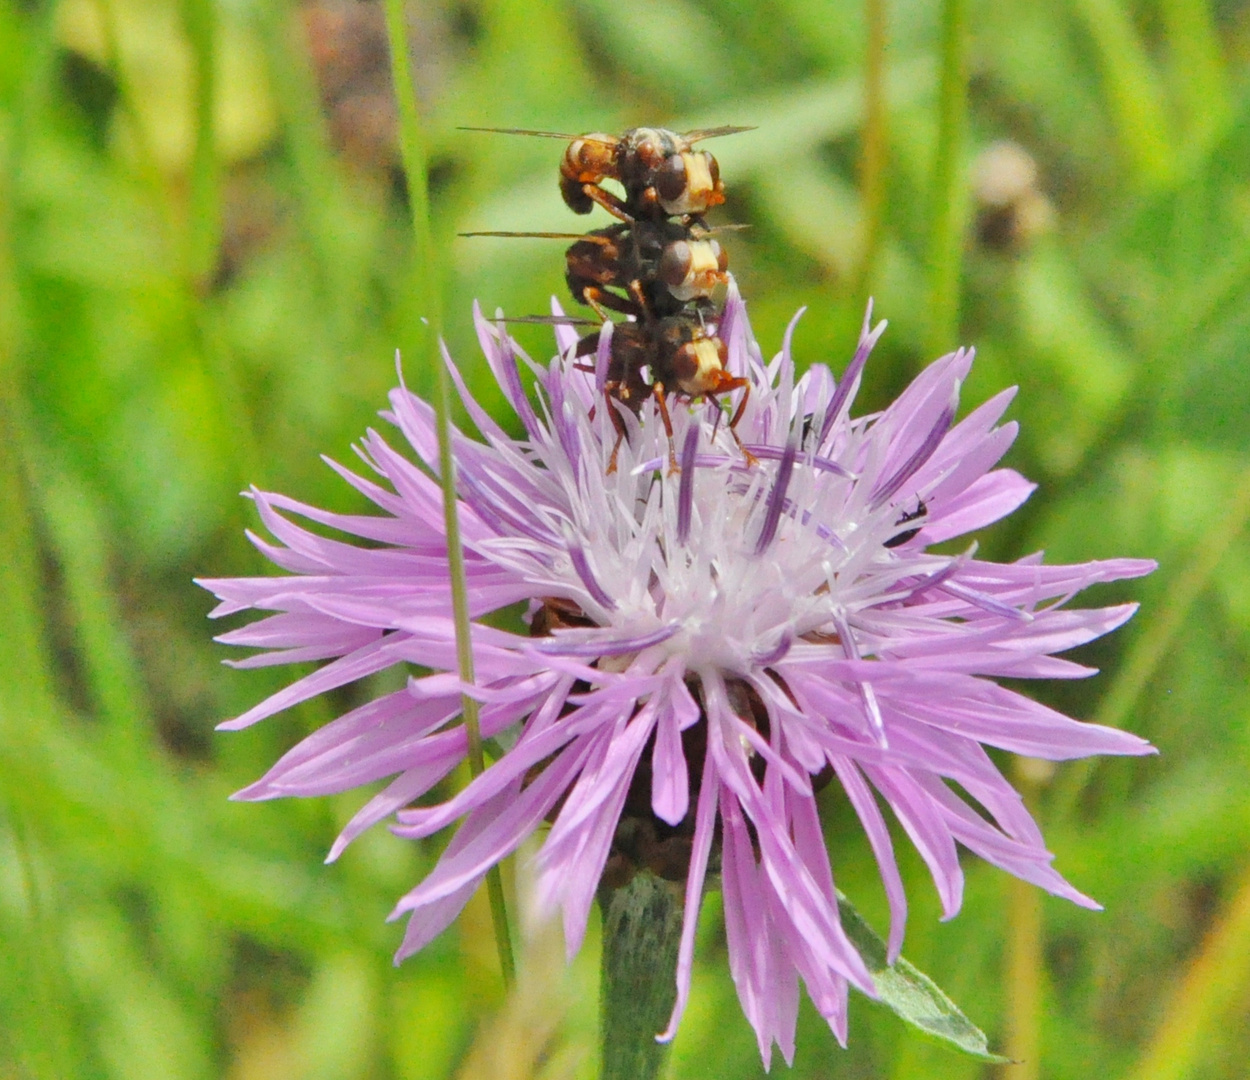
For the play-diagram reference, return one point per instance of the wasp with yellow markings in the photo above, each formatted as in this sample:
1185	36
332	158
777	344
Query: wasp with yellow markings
647	268
661	172
662	266
676	354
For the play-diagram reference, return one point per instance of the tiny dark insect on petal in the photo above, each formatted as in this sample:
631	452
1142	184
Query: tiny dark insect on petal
899	539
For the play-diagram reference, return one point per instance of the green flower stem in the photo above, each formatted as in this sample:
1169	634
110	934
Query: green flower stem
637	989
946	224
873	150
429	300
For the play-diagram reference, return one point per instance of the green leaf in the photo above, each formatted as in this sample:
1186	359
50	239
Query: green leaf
911	995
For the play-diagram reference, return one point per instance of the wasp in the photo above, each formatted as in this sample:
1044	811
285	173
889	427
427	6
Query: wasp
661	172
650	359
660	266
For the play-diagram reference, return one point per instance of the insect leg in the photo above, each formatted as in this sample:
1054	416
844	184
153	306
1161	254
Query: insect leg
747	456
617	422
644	309
598	299
658	390
608	201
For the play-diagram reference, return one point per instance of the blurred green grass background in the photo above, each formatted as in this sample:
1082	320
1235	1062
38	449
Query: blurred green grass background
205	269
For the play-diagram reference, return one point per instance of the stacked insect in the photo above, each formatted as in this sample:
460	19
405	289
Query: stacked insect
658	265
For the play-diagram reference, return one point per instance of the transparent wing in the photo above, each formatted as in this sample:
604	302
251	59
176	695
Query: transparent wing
523	131
715	133
536	235
549	320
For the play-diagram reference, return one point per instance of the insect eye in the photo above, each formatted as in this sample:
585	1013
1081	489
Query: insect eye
671	181
713	168
675	263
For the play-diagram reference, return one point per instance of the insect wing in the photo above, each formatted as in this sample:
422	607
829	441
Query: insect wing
549	320
522	131
715	133
530	235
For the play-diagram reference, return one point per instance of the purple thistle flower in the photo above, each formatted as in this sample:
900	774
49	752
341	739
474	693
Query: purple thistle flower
706	650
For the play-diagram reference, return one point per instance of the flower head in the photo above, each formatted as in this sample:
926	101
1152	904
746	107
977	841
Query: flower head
707	649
